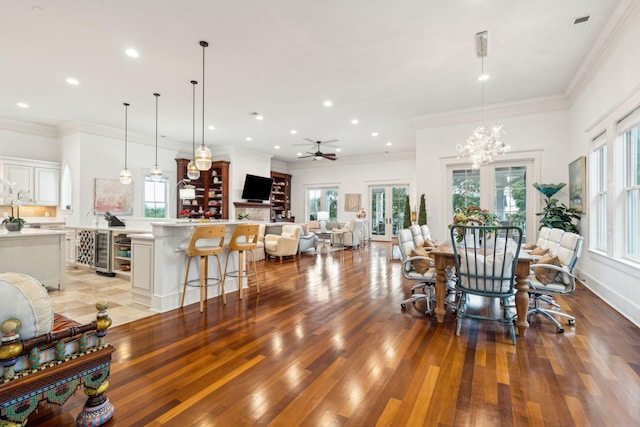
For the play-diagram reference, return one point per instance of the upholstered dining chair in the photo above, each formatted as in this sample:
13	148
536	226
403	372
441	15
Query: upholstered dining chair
553	275
486	261
417	267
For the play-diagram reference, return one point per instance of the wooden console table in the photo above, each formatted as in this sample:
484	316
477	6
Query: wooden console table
443	256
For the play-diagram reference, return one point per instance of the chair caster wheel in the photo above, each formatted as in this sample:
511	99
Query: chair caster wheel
560	330
403	306
572	322
427	313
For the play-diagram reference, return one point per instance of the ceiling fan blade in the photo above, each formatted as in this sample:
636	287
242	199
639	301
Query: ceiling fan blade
301	145
329	141
310	140
304	157
329	154
329	157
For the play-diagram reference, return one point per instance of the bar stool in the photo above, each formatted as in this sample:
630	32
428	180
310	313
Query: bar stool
204	251
244	239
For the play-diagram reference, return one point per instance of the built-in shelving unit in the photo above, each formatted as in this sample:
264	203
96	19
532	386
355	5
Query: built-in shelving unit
212	191
121	254
281	197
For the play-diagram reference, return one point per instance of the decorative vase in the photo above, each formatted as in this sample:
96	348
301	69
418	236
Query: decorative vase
13	226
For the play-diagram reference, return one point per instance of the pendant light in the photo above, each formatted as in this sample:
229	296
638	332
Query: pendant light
192	170
156	172
125	174
203	154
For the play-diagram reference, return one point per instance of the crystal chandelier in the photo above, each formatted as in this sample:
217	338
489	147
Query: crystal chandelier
484	143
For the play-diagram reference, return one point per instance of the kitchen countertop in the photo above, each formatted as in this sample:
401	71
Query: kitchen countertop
28	232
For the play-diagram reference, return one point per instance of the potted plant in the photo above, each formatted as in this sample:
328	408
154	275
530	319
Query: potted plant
554	216
14	223
422	211
407	213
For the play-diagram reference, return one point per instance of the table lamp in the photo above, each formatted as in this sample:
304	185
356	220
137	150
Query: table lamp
323	216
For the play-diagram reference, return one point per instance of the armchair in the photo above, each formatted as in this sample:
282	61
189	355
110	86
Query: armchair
553	275
308	239
351	233
285	244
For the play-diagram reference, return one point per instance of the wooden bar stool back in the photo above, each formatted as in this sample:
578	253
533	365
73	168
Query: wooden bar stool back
205	249
244	240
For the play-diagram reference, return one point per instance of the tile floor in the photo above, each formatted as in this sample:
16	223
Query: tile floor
84	287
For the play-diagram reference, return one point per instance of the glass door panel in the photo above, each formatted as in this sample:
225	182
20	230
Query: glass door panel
387	210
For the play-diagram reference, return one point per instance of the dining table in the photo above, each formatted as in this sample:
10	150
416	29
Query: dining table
444	257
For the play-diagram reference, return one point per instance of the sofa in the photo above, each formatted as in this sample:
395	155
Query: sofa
45	357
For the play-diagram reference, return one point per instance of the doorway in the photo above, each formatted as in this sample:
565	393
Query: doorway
387	203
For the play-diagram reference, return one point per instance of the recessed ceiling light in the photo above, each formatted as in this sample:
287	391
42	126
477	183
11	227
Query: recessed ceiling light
23	105
258	116
298	154
483	77
338	149
327	103
72	81
249	138
374	134
354	122
132	52
277	147
293	131
389	144
212	127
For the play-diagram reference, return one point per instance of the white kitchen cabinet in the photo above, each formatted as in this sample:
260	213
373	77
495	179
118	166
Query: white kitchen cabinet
40	179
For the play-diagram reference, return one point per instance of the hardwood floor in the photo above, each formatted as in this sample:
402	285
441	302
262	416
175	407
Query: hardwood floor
325	343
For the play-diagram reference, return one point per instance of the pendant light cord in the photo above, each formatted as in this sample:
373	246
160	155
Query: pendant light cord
156	95
204	45
193	127
126	116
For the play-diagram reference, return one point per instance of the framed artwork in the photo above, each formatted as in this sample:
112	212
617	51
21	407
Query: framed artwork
578	184
352	202
112	196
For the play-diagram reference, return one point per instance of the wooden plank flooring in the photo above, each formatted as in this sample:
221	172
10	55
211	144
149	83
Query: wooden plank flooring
326	344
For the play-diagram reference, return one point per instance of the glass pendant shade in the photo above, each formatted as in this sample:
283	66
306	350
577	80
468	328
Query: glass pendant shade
192	171
125	176
203	158
156	174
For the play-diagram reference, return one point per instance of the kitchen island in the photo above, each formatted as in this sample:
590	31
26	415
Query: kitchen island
159	264
36	252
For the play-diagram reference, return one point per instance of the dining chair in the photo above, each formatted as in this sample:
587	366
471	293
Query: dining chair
553	275
417	268
486	258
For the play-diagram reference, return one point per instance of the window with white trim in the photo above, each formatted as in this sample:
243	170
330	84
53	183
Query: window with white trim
155	198
599	165
322	199
632	191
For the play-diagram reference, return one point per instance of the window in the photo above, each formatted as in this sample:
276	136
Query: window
632	190
323	199
629	138
155	198
599	164
503	188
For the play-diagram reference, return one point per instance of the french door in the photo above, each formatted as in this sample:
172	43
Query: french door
504	189
387	203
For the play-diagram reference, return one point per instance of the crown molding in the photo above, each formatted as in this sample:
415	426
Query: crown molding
28	127
498	111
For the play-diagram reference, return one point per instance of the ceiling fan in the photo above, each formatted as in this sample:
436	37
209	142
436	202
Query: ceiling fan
319	155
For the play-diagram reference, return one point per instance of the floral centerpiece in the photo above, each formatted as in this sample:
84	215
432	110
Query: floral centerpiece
14	223
473	215
185	213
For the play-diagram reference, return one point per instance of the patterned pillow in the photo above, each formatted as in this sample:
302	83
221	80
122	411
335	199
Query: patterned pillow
421	265
539	251
547	275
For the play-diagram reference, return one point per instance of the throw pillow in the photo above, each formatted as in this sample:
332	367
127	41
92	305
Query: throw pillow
305	229
539	251
314	225
421	265
26	299
529	246
428	244
547	275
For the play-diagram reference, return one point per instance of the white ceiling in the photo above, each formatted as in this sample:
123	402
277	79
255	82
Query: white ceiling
383	62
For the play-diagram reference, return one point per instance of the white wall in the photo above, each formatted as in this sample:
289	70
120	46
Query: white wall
351	176
28	141
547	132
611	89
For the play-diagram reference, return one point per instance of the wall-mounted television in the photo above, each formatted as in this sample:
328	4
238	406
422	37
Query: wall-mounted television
257	188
